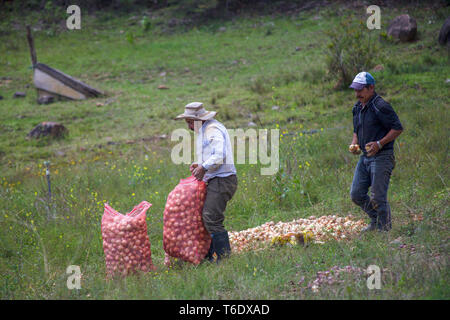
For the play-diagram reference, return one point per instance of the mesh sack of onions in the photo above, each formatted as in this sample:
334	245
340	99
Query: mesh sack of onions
125	241
184	235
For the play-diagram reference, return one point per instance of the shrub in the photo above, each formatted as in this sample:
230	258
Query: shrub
350	50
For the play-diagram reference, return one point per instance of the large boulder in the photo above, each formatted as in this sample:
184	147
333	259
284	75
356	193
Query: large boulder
403	27
444	34
53	129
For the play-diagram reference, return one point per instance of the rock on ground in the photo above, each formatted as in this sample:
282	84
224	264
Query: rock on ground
45	100
52	129
444	34
19	94
403	27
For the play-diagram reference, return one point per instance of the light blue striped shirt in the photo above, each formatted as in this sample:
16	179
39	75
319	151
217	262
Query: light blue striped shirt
214	150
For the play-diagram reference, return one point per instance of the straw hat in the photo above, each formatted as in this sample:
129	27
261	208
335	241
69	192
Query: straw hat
195	111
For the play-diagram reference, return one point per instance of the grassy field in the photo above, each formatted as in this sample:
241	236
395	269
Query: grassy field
118	151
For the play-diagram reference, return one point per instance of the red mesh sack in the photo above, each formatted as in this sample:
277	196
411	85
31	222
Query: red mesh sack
184	235
125	240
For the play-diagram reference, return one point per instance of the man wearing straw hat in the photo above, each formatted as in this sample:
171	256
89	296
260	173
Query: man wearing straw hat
215	166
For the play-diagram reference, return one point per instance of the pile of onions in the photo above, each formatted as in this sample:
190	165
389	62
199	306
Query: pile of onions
125	241
184	235
322	229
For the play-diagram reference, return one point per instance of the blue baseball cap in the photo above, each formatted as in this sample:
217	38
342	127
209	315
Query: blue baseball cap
362	79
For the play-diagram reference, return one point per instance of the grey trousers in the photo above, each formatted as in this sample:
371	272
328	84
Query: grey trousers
218	192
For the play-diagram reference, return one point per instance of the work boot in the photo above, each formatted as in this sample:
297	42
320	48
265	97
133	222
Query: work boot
389	219
371	227
384	223
221	245
210	255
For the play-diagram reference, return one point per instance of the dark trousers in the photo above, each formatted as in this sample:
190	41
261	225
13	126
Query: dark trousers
374	172
218	192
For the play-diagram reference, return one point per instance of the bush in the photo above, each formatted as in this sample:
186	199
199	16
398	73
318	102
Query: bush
350	50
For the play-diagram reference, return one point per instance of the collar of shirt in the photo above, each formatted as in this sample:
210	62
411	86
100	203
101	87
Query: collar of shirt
361	106
205	125
372	98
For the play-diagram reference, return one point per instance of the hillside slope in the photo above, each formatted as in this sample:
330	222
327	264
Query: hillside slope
269	70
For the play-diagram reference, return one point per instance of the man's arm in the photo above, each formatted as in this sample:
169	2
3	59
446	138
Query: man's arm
352	148
355	138
390	136
373	148
389	119
217	156
217	145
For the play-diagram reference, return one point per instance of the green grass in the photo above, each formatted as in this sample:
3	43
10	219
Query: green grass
241	72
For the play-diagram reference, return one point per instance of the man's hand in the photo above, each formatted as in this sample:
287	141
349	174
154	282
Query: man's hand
354	148
372	148
199	172
193	166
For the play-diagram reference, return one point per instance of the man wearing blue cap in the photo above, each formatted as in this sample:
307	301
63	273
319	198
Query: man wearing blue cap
375	128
